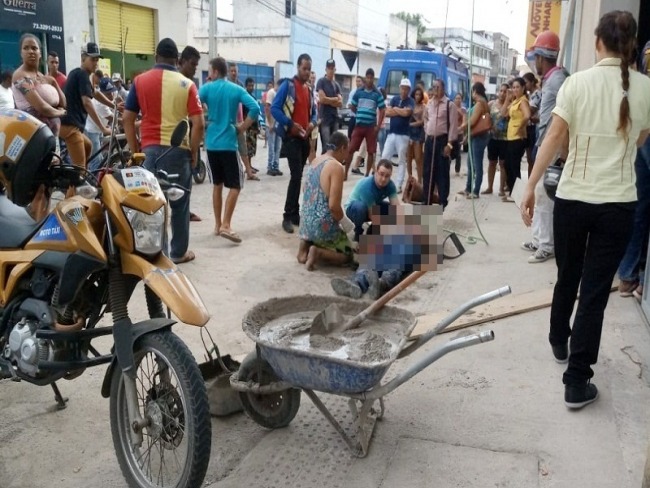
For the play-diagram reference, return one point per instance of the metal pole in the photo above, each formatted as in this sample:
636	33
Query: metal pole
212	30
444	36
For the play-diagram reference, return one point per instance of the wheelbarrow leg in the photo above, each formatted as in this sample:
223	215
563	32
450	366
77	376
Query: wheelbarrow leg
365	418
354	447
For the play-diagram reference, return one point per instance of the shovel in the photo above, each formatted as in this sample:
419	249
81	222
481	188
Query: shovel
331	320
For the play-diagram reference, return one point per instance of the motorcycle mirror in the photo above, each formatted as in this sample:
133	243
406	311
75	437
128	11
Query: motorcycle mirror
174	194
87	191
179	133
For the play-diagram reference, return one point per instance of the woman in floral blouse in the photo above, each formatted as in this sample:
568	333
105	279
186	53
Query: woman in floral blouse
34	92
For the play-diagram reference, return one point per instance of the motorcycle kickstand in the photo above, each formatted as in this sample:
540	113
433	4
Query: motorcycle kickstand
60	401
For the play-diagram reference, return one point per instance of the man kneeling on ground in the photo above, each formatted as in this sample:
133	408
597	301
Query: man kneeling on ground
323	224
368	192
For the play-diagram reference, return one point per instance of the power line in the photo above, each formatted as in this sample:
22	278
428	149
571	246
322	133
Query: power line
304	24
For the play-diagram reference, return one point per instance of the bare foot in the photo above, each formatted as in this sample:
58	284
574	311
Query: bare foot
303	252
311	258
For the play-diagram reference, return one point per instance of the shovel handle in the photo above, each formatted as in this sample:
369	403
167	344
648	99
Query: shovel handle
383	300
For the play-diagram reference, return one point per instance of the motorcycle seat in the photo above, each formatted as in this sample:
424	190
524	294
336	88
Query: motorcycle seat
16	226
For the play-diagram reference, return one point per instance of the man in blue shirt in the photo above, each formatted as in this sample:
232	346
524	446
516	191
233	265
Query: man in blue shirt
222	98
368	192
400	111
365	104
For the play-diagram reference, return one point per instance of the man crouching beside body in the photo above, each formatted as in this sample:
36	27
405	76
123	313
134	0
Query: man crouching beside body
323	224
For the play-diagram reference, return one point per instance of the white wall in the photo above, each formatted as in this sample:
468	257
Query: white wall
373	25
588	13
77	33
266	50
368	59
397	35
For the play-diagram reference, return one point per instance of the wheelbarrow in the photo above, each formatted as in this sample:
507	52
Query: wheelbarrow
271	378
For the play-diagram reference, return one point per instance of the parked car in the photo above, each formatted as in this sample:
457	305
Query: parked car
344	115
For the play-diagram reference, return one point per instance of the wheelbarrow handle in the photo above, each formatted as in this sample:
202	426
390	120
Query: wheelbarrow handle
453	316
425	361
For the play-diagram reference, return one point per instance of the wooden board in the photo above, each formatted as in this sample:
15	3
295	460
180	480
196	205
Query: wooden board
500	308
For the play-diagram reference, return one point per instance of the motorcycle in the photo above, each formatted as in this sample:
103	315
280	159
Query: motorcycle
61	275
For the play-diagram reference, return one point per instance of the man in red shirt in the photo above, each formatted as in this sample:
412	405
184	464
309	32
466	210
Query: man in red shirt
295	118
164	97
53	69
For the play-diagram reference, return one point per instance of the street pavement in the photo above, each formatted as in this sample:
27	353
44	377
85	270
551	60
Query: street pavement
488	416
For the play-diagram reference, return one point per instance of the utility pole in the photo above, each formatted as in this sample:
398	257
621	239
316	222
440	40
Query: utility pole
212	30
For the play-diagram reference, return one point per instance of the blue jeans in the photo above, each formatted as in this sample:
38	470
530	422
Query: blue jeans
274	143
381	139
475	164
176	161
95	139
359	213
390	278
633	262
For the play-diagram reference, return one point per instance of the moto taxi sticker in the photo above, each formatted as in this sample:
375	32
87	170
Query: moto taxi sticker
52	230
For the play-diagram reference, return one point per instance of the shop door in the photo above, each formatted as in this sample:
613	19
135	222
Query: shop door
126	36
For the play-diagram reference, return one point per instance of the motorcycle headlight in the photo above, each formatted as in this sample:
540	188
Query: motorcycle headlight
147	229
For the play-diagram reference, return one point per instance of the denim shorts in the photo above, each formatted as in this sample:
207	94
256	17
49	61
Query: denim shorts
416	134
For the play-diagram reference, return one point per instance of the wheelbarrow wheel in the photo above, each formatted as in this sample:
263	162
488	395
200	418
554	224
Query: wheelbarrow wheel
274	410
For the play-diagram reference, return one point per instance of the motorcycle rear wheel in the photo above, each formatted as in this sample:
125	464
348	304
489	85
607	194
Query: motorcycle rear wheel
172	397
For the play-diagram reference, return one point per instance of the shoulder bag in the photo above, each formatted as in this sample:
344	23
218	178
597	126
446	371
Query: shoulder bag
483	125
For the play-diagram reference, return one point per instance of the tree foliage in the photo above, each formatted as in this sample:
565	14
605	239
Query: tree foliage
414	19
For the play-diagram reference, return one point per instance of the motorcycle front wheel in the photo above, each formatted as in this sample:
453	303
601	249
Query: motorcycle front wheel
200	172
173	400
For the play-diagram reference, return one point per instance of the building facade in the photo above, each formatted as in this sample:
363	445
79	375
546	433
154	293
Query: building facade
578	28
473	48
500	71
355	33
44	19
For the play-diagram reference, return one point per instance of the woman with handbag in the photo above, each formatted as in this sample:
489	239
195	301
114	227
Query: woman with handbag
480	123
595	200
518	111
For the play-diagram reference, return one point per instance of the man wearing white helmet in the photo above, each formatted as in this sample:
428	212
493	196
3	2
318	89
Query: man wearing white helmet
544	54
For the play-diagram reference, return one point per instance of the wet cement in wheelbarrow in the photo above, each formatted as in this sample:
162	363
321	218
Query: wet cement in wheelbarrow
374	342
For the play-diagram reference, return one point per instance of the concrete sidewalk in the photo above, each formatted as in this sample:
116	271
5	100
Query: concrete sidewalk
490	415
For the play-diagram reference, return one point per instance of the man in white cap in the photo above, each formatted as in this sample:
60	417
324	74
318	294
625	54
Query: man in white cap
397	142
119	84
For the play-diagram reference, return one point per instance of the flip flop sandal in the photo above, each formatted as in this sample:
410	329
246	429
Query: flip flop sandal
230	235
253	178
189	256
